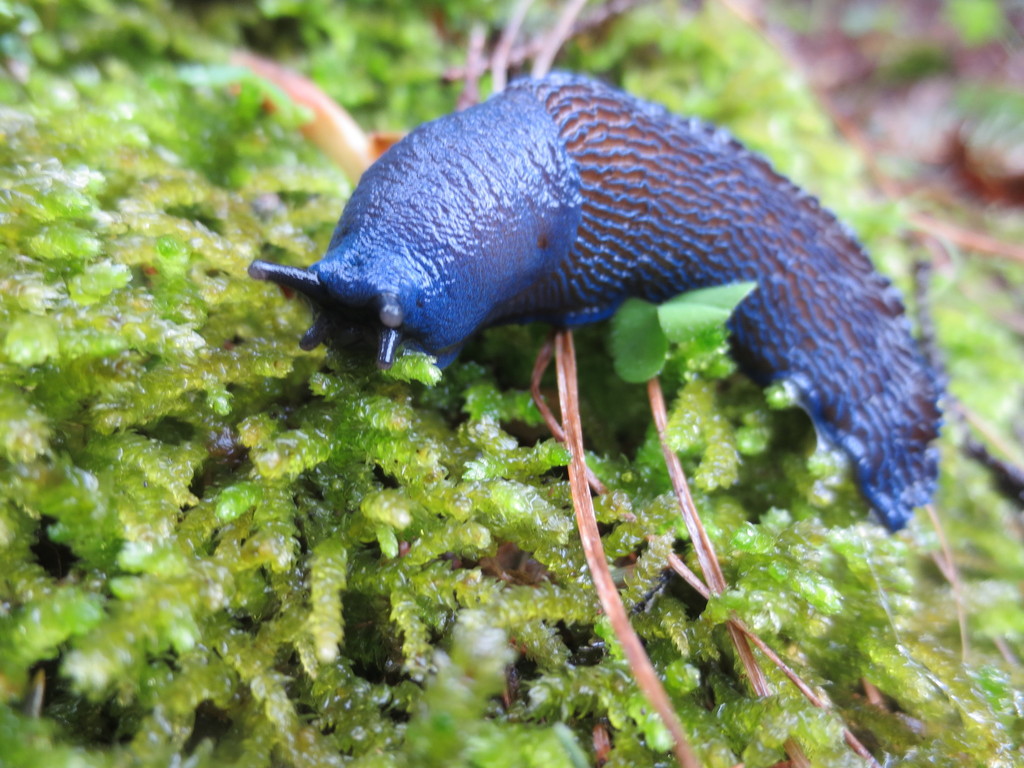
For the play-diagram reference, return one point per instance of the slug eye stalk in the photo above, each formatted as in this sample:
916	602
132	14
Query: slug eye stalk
347	324
391	314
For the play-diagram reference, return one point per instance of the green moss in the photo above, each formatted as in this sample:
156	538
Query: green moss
219	549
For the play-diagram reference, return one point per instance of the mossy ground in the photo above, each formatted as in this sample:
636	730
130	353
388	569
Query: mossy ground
218	550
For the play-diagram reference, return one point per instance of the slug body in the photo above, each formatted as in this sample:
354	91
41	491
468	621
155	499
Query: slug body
559	198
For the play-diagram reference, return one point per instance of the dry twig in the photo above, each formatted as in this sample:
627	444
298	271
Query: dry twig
677	565
474	68
706	554
540	365
966	238
874	695
1006	651
643	671
949	570
556	37
500	57
519	54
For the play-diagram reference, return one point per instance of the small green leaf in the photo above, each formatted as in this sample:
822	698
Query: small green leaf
638	344
690	314
641	331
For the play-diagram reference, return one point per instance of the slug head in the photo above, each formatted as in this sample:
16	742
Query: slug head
377	287
444	233
379	319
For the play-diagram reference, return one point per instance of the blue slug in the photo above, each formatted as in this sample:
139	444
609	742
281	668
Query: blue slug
559	198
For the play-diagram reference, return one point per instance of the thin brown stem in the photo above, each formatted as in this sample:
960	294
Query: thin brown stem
706	554
783	667
953	577
500	57
1006	651
852	741
556	38
978	242
698	535
519	54
691	578
540	365
989	432
474	68
676	564
643	671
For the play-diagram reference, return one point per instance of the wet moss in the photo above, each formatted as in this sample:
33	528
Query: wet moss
219	549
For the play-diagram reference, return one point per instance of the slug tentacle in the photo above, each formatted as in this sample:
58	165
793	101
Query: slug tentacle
389	341
317	333
561	197
302	280
391	314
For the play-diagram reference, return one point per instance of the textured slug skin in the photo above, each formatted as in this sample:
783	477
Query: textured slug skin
561	197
